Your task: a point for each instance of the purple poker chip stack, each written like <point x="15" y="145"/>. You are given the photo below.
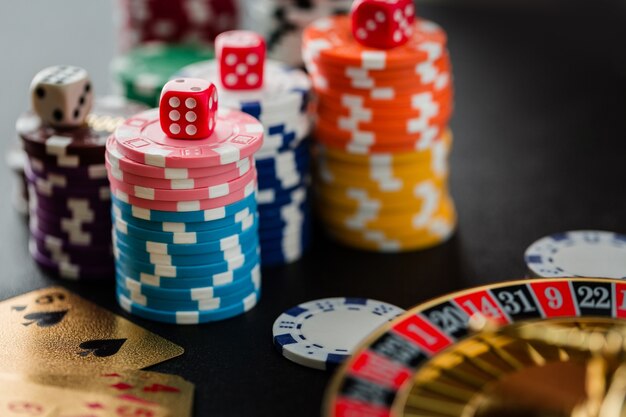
<point x="69" y="199"/>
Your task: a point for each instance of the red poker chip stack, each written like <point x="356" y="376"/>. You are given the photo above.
<point x="174" y="21"/>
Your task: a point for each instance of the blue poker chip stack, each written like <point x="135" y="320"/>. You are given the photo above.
<point x="163" y="277"/>
<point x="283" y="161"/>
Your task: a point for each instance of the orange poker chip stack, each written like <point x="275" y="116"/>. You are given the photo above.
<point x="382" y="136"/>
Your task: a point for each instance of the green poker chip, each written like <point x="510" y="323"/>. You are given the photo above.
<point x="142" y="73"/>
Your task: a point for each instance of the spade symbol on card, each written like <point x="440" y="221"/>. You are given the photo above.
<point x="45" y="319"/>
<point x="101" y="348"/>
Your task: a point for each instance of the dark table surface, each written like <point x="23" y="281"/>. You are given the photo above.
<point x="539" y="148"/>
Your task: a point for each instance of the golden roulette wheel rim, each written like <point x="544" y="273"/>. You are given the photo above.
<point x="379" y="378"/>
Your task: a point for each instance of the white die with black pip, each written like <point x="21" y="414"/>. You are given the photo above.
<point x="62" y="95"/>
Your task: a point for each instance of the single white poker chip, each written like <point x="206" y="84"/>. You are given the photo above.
<point x="581" y="253"/>
<point x="321" y="334"/>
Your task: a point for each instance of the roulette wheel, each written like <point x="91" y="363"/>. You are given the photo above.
<point x="537" y="347"/>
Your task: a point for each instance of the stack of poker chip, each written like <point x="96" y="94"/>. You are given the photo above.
<point x="281" y="22"/>
<point x="382" y="136"/>
<point x="283" y="161"/>
<point x="184" y="211"/>
<point x="141" y="73"/>
<point x="69" y="196"/>
<point x="173" y="21"/>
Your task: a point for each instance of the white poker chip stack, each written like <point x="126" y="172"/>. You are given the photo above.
<point x="281" y="104"/>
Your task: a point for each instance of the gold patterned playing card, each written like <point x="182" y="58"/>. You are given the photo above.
<point x="169" y="391"/>
<point x="23" y="398"/>
<point x="54" y="331"/>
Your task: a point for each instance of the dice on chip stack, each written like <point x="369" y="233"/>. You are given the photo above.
<point x="281" y="22"/>
<point x="278" y="97"/>
<point x="173" y="21"/>
<point x="384" y="99"/>
<point x="69" y="200"/>
<point x="140" y="74"/>
<point x="185" y="227"/>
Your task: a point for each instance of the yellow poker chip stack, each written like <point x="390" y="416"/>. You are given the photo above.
<point x="386" y="202"/>
<point x="382" y="135"/>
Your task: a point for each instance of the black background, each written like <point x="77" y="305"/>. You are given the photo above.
<point x="539" y="148"/>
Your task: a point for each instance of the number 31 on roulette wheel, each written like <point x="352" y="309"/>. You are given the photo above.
<point x="547" y="347"/>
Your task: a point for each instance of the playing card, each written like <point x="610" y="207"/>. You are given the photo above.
<point x="54" y="331"/>
<point x="170" y="391"/>
<point x="23" y="398"/>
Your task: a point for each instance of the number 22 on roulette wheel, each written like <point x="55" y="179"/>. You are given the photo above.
<point x="553" y="347"/>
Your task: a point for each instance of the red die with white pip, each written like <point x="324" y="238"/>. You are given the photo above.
<point x="382" y="24"/>
<point x="241" y="57"/>
<point x="187" y="108"/>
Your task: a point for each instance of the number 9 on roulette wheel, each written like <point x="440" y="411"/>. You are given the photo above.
<point x="552" y="347"/>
